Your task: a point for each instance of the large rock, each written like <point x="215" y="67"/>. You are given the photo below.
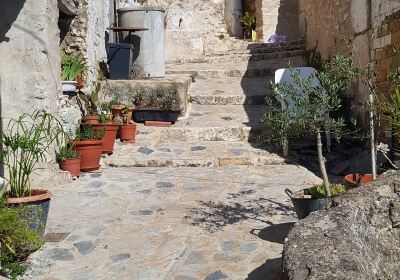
<point x="357" y="239"/>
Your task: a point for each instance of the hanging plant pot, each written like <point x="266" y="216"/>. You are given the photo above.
<point x="90" y="153"/>
<point x="143" y="115"/>
<point x="72" y="165"/>
<point x="109" y="136"/>
<point x="69" y="86"/>
<point x="127" y="132"/>
<point x="91" y="119"/>
<point x="352" y="179"/>
<point x="37" y="206"/>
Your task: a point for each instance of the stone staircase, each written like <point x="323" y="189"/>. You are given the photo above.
<point x="226" y="103"/>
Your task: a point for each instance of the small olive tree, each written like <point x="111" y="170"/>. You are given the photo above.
<point x="302" y="108"/>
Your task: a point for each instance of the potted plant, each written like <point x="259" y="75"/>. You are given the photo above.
<point x="90" y="105"/>
<point x="71" y="69"/>
<point x="69" y="160"/>
<point x="155" y="107"/>
<point x="127" y="128"/>
<point x="110" y="128"/>
<point x="89" y="145"/>
<point x="249" y="25"/>
<point x="302" y="114"/>
<point x="17" y="241"/>
<point x="24" y="143"/>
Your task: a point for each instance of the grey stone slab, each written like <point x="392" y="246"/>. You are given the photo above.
<point x="164" y="185"/>
<point x="198" y="148"/>
<point x="249" y="247"/>
<point x="228" y="245"/>
<point x="194" y="257"/>
<point x="61" y="254"/>
<point x="120" y="257"/>
<point x="97" y="230"/>
<point x="84" y="247"/>
<point x="145" y="150"/>
<point x="217" y="275"/>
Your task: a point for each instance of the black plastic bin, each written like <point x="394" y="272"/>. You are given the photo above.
<point x="120" y="61"/>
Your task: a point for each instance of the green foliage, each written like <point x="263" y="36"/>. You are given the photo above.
<point x="71" y="67"/>
<point x="86" y="132"/>
<point x="318" y="191"/>
<point x="249" y="21"/>
<point x="155" y="100"/>
<point x="91" y="100"/>
<point x="17" y="240"/>
<point x="167" y="102"/>
<point x="25" y="142"/>
<point x="67" y="152"/>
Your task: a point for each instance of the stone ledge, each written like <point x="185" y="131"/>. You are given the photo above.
<point x="358" y="239"/>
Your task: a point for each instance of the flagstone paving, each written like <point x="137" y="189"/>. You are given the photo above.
<point x="170" y="223"/>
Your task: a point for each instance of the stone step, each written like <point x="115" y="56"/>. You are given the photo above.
<point x="230" y="91"/>
<point x="262" y="50"/>
<point x="210" y="123"/>
<point x="239" y="57"/>
<point x="235" y="69"/>
<point x="189" y="154"/>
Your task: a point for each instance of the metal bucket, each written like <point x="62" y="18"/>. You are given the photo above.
<point x="304" y="206"/>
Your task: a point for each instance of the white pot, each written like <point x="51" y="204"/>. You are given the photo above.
<point x="68" y="86"/>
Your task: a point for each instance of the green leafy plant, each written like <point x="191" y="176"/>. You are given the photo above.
<point x="249" y="24"/>
<point x="16" y="239"/>
<point x="168" y="102"/>
<point x="90" y="100"/>
<point x="71" y="67"/>
<point x="302" y="114"/>
<point x="25" y="142"/>
<point x="319" y="191"/>
<point x="67" y="152"/>
<point x="86" y="132"/>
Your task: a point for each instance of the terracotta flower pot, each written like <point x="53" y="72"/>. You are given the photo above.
<point x="72" y="165"/>
<point x="38" y="205"/>
<point x="90" y="153"/>
<point x="80" y="79"/>
<point x="91" y="119"/>
<point x="352" y="179"/>
<point x="127" y="132"/>
<point x="109" y="136"/>
<point x="117" y="111"/>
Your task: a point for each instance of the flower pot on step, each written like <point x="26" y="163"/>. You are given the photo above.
<point x="304" y="206"/>
<point x="69" y="86"/>
<point x="143" y="115"/>
<point x="116" y="111"/>
<point x="352" y="180"/>
<point x="109" y="136"/>
<point x="91" y="119"/>
<point x="37" y="206"/>
<point x="72" y="165"/>
<point x="127" y="132"/>
<point x="90" y="153"/>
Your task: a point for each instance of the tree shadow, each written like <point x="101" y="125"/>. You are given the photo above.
<point x="9" y="11"/>
<point x="214" y="216"/>
<point x="270" y="270"/>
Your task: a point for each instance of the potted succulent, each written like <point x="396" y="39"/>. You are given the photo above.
<point x="71" y="69"/>
<point x="89" y="145"/>
<point x="302" y="114"/>
<point x="90" y="105"/>
<point x="69" y="160"/>
<point x="249" y="25"/>
<point x="25" y="142"/>
<point x="155" y="107"/>
<point x="110" y="129"/>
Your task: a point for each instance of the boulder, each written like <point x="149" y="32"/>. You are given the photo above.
<point x="358" y="238"/>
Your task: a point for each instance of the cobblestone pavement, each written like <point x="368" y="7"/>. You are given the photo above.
<point x="170" y="223"/>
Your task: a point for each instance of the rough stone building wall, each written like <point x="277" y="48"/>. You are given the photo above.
<point x="277" y="17"/>
<point x="30" y="59"/>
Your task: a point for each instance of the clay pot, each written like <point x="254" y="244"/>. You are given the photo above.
<point x="72" y="165"/>
<point x="127" y="132"/>
<point x="352" y="179"/>
<point x="38" y="205"/>
<point x="117" y="111"/>
<point x="109" y="136"/>
<point x="91" y="119"/>
<point x="90" y="153"/>
<point x="80" y="81"/>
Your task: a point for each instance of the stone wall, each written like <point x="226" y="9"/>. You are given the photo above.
<point x="358" y="239"/>
<point x="277" y="17"/>
<point x="30" y="60"/>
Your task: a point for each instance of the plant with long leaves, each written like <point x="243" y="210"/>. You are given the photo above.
<point x="25" y="142"/>
<point x="71" y="67"/>
<point x="304" y="106"/>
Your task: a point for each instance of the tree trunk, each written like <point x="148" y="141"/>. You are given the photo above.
<point x="322" y="167"/>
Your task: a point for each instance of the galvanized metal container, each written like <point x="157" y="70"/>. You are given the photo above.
<point x="148" y="54"/>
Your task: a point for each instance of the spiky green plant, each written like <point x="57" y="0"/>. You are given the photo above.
<point x="90" y="100"/>
<point x="24" y="143"/>
<point x="71" y="67"/>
